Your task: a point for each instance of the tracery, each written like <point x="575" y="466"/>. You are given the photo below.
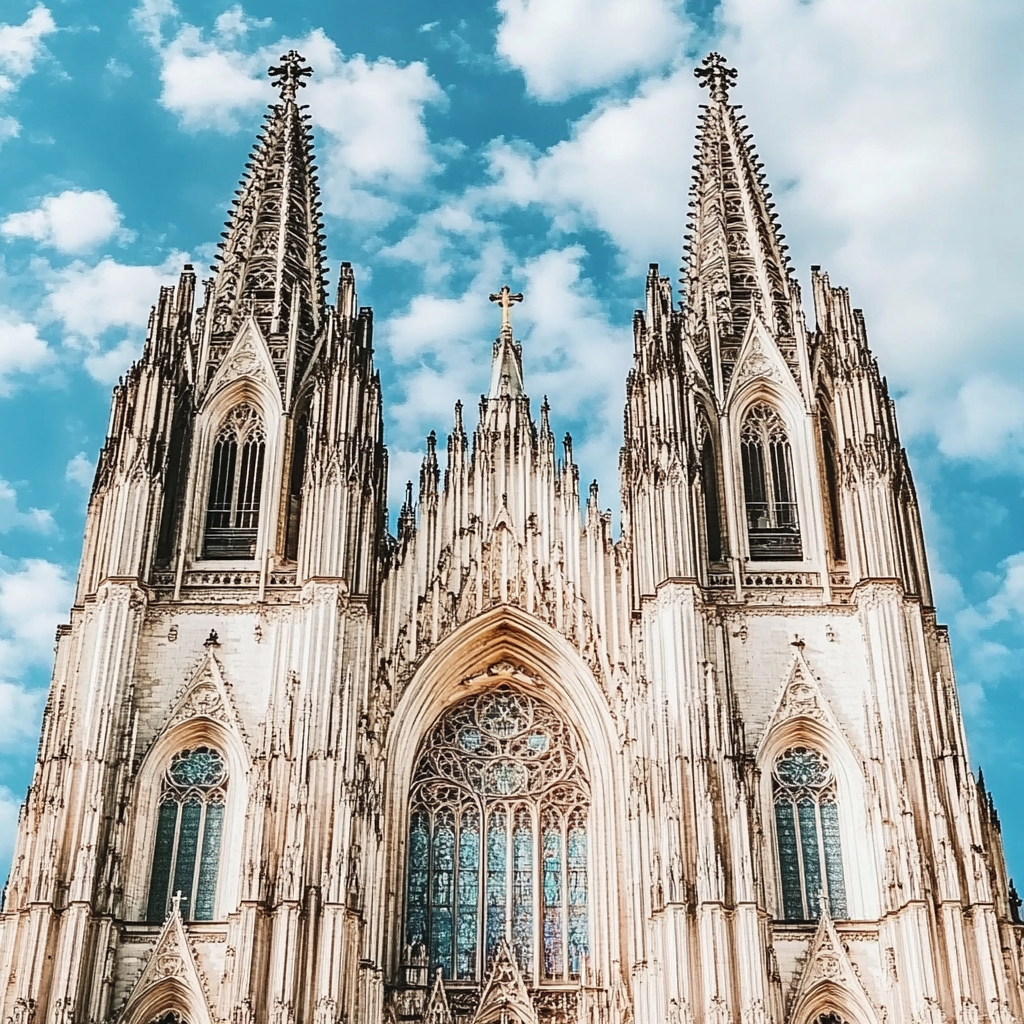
<point x="188" y="835"/>
<point x="498" y="841"/>
<point x="236" y="485"/>
<point x="773" y="525"/>
<point x="807" y="830"/>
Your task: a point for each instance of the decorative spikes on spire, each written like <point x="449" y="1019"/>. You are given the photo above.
<point x="271" y="263"/>
<point x="736" y="266"/>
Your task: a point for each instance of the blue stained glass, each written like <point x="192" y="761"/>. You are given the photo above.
<point x="552" y="880"/>
<point x="833" y="860"/>
<point x="576" y="854"/>
<point x="789" y="862"/>
<point x="419" y="853"/>
<point x="188" y="848"/>
<point x="206" y="887"/>
<point x="160" y="877"/>
<point x="808" y="817"/>
<point x="442" y="897"/>
<point x="496" y="866"/>
<point x="522" y="891"/>
<point x="469" y="888"/>
<point x="201" y="767"/>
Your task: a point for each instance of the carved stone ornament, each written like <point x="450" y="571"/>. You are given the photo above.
<point x="202" y="702"/>
<point x="505" y="999"/>
<point x="756" y="364"/>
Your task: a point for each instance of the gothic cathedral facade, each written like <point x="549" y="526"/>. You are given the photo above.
<point x="503" y="767"/>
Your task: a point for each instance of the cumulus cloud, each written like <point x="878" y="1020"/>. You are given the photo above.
<point x="38" y="520"/>
<point x="574" y="45"/>
<point x="370" y="114"/>
<point x="20" y="48"/>
<point x="80" y="470"/>
<point x="22" y="350"/>
<point x="74" y="221"/>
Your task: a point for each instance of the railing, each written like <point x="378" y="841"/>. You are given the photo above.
<point x="229" y="542"/>
<point x="773" y="531"/>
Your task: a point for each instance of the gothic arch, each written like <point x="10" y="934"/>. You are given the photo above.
<point x="215" y="411"/>
<point x="146" y="792"/>
<point x="506" y="644"/>
<point x="828" y="998"/>
<point x="171" y="996"/>
<point x="818" y="730"/>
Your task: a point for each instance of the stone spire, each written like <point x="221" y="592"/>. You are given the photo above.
<point x="735" y="264"/>
<point x="271" y="263"/>
<point x="507" y="357"/>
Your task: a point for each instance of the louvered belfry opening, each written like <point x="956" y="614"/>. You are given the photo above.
<point x="773" y="524"/>
<point x="236" y="485"/>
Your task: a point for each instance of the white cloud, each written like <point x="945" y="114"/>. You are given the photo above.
<point x="370" y="114"/>
<point x="38" y="520"/>
<point x="72" y="222"/>
<point x="573" y="45"/>
<point x="21" y="348"/>
<point x="620" y="170"/>
<point x="20" y="47"/>
<point x="10" y="807"/>
<point x="33" y="599"/>
<point x="92" y="299"/>
<point x="107" y="365"/>
<point x="80" y="470"/>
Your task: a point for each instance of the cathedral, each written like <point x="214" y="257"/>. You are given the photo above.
<point x="505" y="766"/>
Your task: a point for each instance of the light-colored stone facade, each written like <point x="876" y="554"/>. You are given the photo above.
<point x="724" y="628"/>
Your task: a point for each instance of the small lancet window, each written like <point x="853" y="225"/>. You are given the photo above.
<point x="498" y="842"/>
<point x="188" y="835"/>
<point x="807" y="830"/>
<point x="773" y="527"/>
<point x="236" y="485"/>
<point x="833" y="512"/>
<point x="712" y="514"/>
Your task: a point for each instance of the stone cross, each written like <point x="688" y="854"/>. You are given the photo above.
<point x="715" y="76"/>
<point x="176" y="904"/>
<point x="289" y="75"/>
<point x="506" y="298"/>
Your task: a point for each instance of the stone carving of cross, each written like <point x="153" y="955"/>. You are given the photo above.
<point x="176" y="903"/>
<point x="506" y="298"/>
<point x="289" y="74"/>
<point x="715" y="76"/>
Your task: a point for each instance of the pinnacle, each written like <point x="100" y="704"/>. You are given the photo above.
<point x="715" y="76"/>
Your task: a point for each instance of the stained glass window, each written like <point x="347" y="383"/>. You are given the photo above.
<point x="236" y="485"/>
<point x="773" y="527"/>
<point x="189" y="827"/>
<point x="807" y="831"/>
<point x="498" y="841"/>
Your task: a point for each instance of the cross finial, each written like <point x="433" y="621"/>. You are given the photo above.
<point x="506" y="298"/>
<point x="289" y="75"/>
<point x="176" y="904"/>
<point x="823" y="904"/>
<point x="716" y="76"/>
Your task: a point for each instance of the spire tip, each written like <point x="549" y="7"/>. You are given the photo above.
<point x="716" y="76"/>
<point x="288" y="75"/>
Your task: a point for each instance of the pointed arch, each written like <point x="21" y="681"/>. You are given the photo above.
<point x="802" y="720"/>
<point x="197" y="731"/>
<point x="831" y="498"/>
<point x="710" y="490"/>
<point x="504" y="645"/>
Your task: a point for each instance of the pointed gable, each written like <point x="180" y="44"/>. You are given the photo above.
<point x="829" y="982"/>
<point x="171" y="980"/>
<point x="438" y="1011"/>
<point x="247" y="359"/>
<point x="800" y="697"/>
<point x="206" y="695"/>
<point x="505" y="999"/>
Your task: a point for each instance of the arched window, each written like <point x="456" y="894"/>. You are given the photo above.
<point x="833" y="517"/>
<point x="712" y="516"/>
<point x="236" y="484"/>
<point x="773" y="527"/>
<point x="188" y="835"/>
<point x="807" y="829"/>
<point x="498" y="841"/>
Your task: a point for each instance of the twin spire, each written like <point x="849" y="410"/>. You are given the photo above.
<point x="735" y="265"/>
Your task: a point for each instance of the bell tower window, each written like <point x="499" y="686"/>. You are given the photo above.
<point x="236" y="485"/>
<point x="773" y="526"/>
<point x="190" y="823"/>
<point x="807" y="830"/>
<point x="498" y="842"/>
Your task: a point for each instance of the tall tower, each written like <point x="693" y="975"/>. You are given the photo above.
<point x="504" y="768"/>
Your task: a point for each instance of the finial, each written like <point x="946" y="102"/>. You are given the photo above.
<point x="715" y="76"/>
<point x="176" y="904"/>
<point x="289" y="75"/>
<point x="506" y="298"/>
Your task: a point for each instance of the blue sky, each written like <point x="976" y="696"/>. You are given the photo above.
<point x="546" y="143"/>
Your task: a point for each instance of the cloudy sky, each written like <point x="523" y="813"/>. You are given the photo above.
<point x="546" y="143"/>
